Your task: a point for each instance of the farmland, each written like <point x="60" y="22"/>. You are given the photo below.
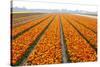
<point x="53" y="38"/>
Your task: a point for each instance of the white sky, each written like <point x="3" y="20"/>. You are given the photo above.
<point x="88" y="5"/>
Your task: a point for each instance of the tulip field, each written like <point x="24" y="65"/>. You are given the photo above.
<point x="38" y="39"/>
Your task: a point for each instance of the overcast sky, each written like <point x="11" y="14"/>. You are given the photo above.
<point x="88" y="5"/>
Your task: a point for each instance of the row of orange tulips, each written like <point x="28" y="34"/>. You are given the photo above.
<point x="88" y="34"/>
<point x="27" y="25"/>
<point x="78" y="49"/>
<point x="88" y="22"/>
<point x="48" y="49"/>
<point x="20" y="44"/>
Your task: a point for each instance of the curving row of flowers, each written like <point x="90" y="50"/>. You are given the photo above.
<point x="78" y="49"/>
<point x="21" y="44"/>
<point x="48" y="49"/>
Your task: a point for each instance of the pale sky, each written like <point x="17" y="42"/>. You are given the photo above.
<point x="88" y="5"/>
